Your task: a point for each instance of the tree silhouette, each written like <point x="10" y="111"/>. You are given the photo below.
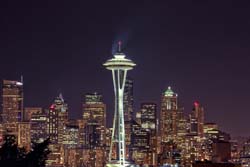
<point x="38" y="155"/>
<point x="13" y="156"/>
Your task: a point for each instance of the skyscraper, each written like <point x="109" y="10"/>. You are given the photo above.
<point x="148" y="114"/>
<point x="24" y="136"/>
<point x="38" y="123"/>
<point x="119" y="66"/>
<point x="94" y="109"/>
<point x="94" y="123"/>
<point x="57" y="119"/>
<point x="168" y="116"/>
<point x="12" y="96"/>
<point x="197" y="120"/>
<point x="197" y="149"/>
<point x="145" y="131"/>
<point x="29" y="111"/>
<point x="94" y="112"/>
<point x="63" y="116"/>
<point x="128" y="99"/>
<point x="140" y="144"/>
<point x="173" y="128"/>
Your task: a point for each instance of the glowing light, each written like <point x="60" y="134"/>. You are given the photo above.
<point x="196" y="103"/>
<point x="169" y="92"/>
<point x="19" y="83"/>
<point x="52" y="107"/>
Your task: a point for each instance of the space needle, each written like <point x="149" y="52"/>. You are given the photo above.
<point x="119" y="65"/>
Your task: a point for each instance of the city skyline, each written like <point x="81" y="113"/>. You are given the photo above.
<point x="201" y="56"/>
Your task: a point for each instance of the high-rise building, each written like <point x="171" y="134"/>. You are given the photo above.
<point x="168" y="116"/>
<point x="173" y="128"/>
<point x="246" y="149"/>
<point x="148" y="120"/>
<point x="28" y="111"/>
<point x="140" y="145"/>
<point x="211" y="134"/>
<point x="71" y="136"/>
<point x="197" y="120"/>
<point x="38" y="123"/>
<point x="128" y="102"/>
<point x="94" y="112"/>
<point x="210" y="127"/>
<point x="198" y="148"/>
<point x="119" y="66"/>
<point x="24" y="136"/>
<point x="55" y="158"/>
<point x="80" y="124"/>
<point x="128" y="99"/>
<point x="12" y="111"/>
<point x="94" y="108"/>
<point x="92" y="135"/>
<point x="52" y="124"/>
<point x="148" y="115"/>
<point x="94" y="124"/>
<point x="63" y="116"/>
<point x="57" y="118"/>
<point x="221" y="151"/>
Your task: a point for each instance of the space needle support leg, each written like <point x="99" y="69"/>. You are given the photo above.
<point x="123" y="144"/>
<point x="121" y="118"/>
<point x="114" y="119"/>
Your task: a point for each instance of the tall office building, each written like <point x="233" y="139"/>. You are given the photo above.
<point x="128" y="100"/>
<point x="94" y="112"/>
<point x="148" y="120"/>
<point x="12" y="111"/>
<point x="57" y="118"/>
<point x="38" y="123"/>
<point x="140" y="145"/>
<point x="148" y="114"/>
<point x="28" y="111"/>
<point x="197" y="147"/>
<point x="63" y="116"/>
<point x="246" y="149"/>
<point x="94" y="123"/>
<point x="24" y="136"/>
<point x="94" y="108"/>
<point x="168" y="116"/>
<point x="71" y="136"/>
<point x="197" y="120"/>
<point x="173" y="128"/>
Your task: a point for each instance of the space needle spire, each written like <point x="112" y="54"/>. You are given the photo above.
<point x="119" y="65"/>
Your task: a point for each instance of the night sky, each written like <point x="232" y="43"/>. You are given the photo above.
<point x="200" y="49"/>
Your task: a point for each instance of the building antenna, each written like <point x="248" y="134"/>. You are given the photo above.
<point x="22" y="79"/>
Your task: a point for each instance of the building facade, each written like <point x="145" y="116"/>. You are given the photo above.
<point x="12" y="111"/>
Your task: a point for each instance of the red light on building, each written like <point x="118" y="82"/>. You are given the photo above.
<point x="52" y="107"/>
<point x="196" y="103"/>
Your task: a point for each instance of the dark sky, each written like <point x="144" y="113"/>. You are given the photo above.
<point x="201" y="49"/>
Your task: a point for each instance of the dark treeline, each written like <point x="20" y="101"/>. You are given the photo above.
<point x="13" y="156"/>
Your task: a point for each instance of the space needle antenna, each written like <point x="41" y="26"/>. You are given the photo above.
<point x="119" y="46"/>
